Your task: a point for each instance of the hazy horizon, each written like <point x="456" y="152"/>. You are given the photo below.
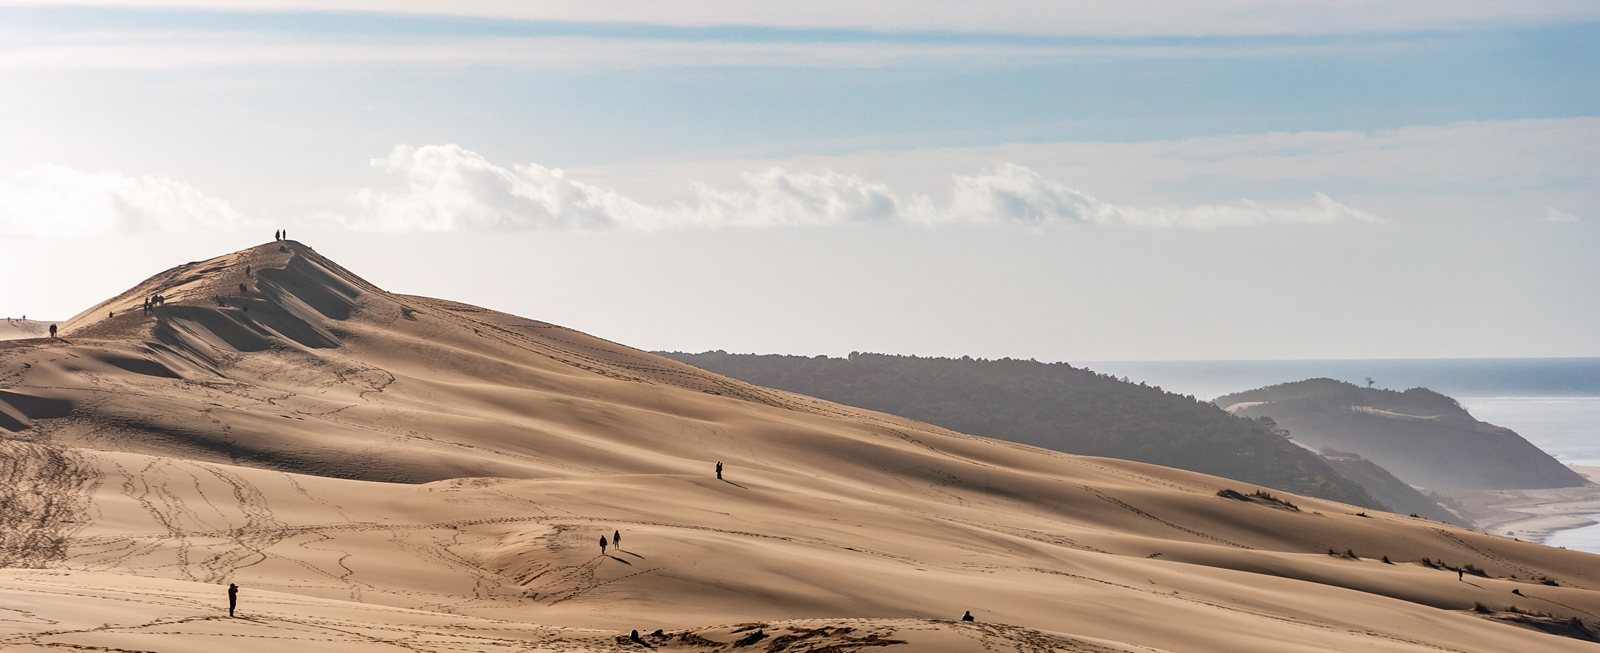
<point x="1259" y="180"/>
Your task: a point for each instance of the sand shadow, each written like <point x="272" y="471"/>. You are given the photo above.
<point x="734" y="484"/>
<point x="632" y="554"/>
<point x="619" y="560"/>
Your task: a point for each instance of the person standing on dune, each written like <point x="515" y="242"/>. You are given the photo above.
<point x="602" y="545"/>
<point x="616" y="540"/>
<point x="719" y="470"/>
<point x="53" y="334"/>
<point x="233" y="598"/>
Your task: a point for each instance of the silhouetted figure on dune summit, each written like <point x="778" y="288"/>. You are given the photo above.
<point x="53" y="332"/>
<point x="967" y="616"/>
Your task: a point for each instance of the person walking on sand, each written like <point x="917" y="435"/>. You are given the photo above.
<point x="719" y="470"/>
<point x="233" y="598"/>
<point x="52" y="331"/>
<point x="616" y="540"/>
<point x="602" y="545"/>
<point x="1461" y="576"/>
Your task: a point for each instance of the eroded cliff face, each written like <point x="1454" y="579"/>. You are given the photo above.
<point x="1422" y="437"/>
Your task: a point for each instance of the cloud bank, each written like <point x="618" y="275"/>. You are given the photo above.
<point x="448" y="188"/>
<point x="51" y="200"/>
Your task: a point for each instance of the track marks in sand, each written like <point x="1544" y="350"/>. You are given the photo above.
<point x="265" y="623"/>
<point x="1484" y="554"/>
<point x="1125" y="506"/>
<point x="1026" y="640"/>
<point x="44" y="499"/>
<point x="1229" y="607"/>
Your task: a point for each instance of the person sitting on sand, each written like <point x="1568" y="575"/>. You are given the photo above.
<point x="233" y="598"/>
<point x="967" y="616"/>
<point x="602" y="545"/>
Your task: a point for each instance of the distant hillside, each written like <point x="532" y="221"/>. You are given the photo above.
<point x="17" y="329"/>
<point x="1393" y="492"/>
<point x="1052" y="406"/>
<point x="1421" y="436"/>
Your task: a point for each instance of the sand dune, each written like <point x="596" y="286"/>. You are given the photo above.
<point x="385" y="471"/>
<point x="17" y="329"/>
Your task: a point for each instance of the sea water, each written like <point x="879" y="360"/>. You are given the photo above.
<point x="1553" y="403"/>
<point x="1578" y="539"/>
<point x="1565" y="427"/>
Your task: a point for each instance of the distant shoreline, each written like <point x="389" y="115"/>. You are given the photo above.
<point x="1534" y="515"/>
<point x="1456" y="377"/>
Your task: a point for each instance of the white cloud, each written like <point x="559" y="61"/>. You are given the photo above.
<point x="52" y="200"/>
<point x="1489" y="168"/>
<point x="1012" y="193"/>
<point x="450" y="188"/>
<point x="447" y="187"/>
<point x="1125" y="18"/>
<point x="1552" y="214"/>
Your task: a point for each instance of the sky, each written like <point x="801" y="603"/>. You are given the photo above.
<point x="1079" y="181"/>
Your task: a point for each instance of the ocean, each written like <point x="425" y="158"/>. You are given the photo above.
<point x="1554" y="403"/>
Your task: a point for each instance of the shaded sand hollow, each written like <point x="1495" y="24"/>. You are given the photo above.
<point x="388" y="472"/>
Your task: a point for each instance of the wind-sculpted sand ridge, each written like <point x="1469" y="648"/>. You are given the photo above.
<point x="392" y="472"/>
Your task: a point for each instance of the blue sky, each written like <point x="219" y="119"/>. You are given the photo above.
<point x="1448" y="153"/>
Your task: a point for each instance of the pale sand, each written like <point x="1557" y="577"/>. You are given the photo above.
<point x="1531" y="514"/>
<point x="531" y="441"/>
<point x="17" y="329"/>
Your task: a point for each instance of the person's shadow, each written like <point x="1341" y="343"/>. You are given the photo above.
<point x="619" y="560"/>
<point x="734" y="484"/>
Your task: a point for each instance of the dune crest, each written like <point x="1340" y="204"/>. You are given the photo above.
<point x="375" y="468"/>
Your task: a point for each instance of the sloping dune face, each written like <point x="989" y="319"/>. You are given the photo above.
<point x="386" y="471"/>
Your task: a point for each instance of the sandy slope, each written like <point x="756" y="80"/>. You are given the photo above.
<point x="397" y="464"/>
<point x="17" y="329"/>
